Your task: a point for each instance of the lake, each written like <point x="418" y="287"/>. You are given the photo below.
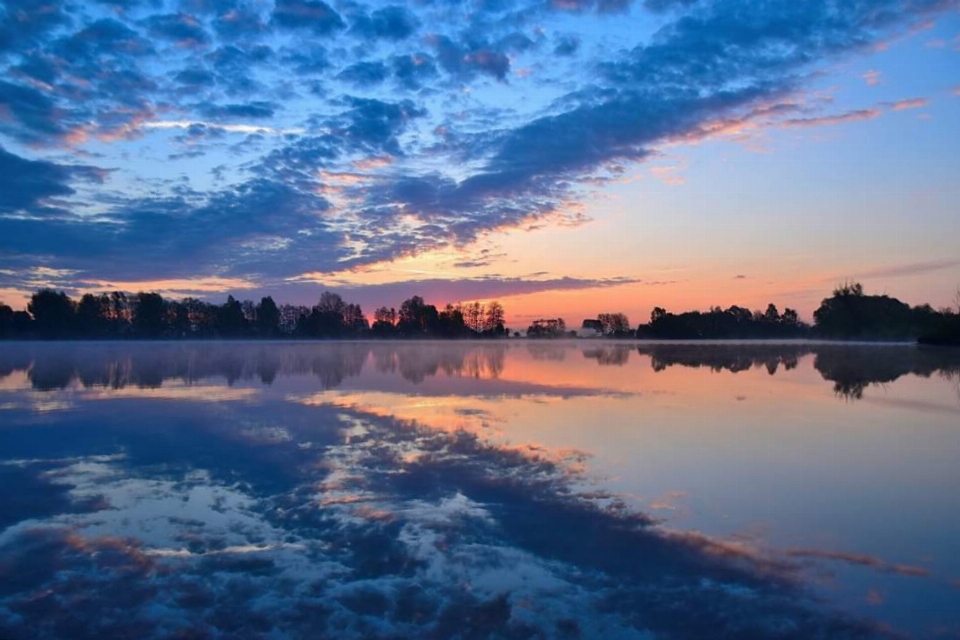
<point x="513" y="489"/>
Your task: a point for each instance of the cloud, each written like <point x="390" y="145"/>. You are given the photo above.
<point x="465" y="60"/>
<point x="841" y="118"/>
<point x="32" y="116"/>
<point x="313" y="15"/>
<point x="468" y="159"/>
<point x="567" y="45"/>
<point x="906" y="270"/>
<point x="38" y="181"/>
<point x="600" y="6"/>
<point x="103" y="38"/>
<point x="442" y="290"/>
<point x="181" y="29"/>
<point x="196" y="126"/>
<point x="389" y="23"/>
<point x="911" y="103"/>
<point x="412" y="71"/>
<point x="363" y="74"/>
<point x="872" y="77"/>
<point x="255" y="110"/>
<point x="661" y="6"/>
<point x="24" y="22"/>
<point x="860" y="560"/>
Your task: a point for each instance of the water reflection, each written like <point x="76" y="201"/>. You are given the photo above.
<point x="852" y="368"/>
<point x="196" y="490"/>
<point x="149" y="365"/>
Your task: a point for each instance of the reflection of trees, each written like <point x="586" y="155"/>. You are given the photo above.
<point x="725" y="357"/>
<point x="616" y="355"/>
<point x="118" y="365"/>
<point x="852" y="369"/>
<point x="544" y="351"/>
<point x="417" y="362"/>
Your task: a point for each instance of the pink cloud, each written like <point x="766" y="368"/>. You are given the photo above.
<point x="849" y="116"/>
<point x="910" y="103"/>
<point x="872" y="77"/>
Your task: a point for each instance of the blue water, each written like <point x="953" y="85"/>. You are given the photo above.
<point x="478" y="490"/>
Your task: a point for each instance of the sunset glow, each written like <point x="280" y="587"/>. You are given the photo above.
<point x="521" y="151"/>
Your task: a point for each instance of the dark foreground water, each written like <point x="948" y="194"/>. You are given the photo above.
<point x="465" y="490"/>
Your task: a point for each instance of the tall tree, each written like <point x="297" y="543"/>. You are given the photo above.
<point x="54" y="313"/>
<point x="92" y="314"/>
<point x="614" y="324"/>
<point x="6" y="320"/>
<point x="473" y="315"/>
<point x="268" y="317"/>
<point x="494" y="318"/>
<point x="230" y="319"/>
<point x="149" y="315"/>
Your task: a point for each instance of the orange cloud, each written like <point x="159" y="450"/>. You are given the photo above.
<point x="173" y="287"/>
<point x="859" y="559"/>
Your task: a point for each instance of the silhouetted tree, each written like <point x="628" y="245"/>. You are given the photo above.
<point x="231" y="322"/>
<point x="54" y="314"/>
<point x="384" y="322"/>
<point x="451" y="324"/>
<point x="849" y="313"/>
<point x="735" y="322"/>
<point x="771" y="315"/>
<point x="178" y="319"/>
<point x="547" y="328"/>
<point x="292" y="318"/>
<point x="93" y="315"/>
<point x="614" y="325"/>
<point x="268" y="317"/>
<point x="149" y="314"/>
<point x="473" y="316"/>
<point x="6" y="320"/>
<point x="493" y="324"/>
<point x="416" y="318"/>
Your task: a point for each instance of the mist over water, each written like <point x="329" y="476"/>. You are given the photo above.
<point x="479" y="490"/>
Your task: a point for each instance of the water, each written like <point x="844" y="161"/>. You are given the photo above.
<point x="502" y="490"/>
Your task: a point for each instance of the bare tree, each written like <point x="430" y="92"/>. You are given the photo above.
<point x="614" y="323"/>
<point x="473" y="315"/>
<point x="494" y="317"/>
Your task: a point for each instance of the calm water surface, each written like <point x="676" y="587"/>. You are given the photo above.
<point x="474" y="490"/>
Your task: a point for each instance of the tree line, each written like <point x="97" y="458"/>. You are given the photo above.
<point x="848" y="314"/>
<point x="53" y="314"/>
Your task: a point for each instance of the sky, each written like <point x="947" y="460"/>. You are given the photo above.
<point x="566" y="157"/>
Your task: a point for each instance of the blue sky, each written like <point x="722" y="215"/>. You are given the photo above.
<point x="565" y="156"/>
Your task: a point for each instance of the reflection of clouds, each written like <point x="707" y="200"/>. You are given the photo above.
<point x="446" y="413"/>
<point x="180" y="392"/>
<point x="358" y="514"/>
<point x="367" y="540"/>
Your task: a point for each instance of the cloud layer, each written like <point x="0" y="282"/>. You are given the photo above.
<point x="240" y="140"/>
